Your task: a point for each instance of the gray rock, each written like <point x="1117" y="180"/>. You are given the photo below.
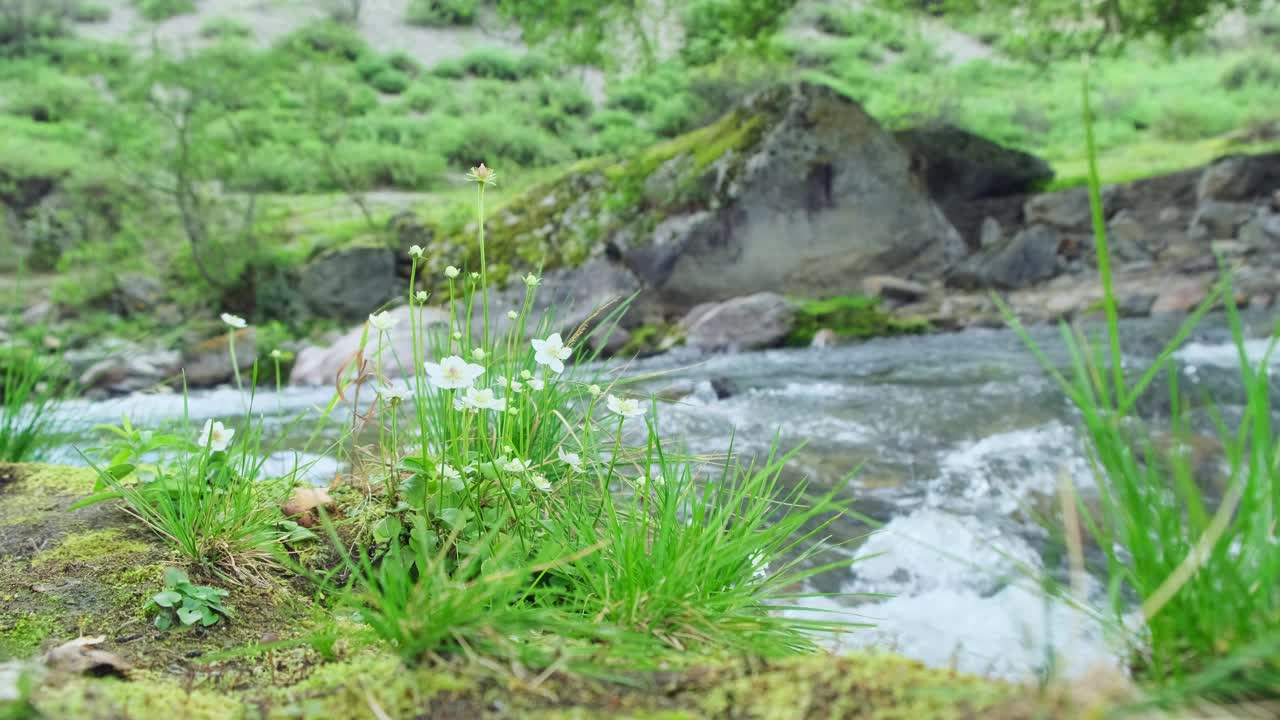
<point x="822" y="199"/>
<point x="1238" y="178"/>
<point x="1128" y="238"/>
<point x="39" y="313"/>
<point x="320" y="365"/>
<point x="568" y="299"/>
<point x="1069" y="209"/>
<point x="1271" y="226"/>
<point x="1220" y="220"/>
<point x="1135" y="304"/>
<point x="724" y="387"/>
<point x="409" y="230"/>
<point x="1027" y="258"/>
<point x="137" y="294"/>
<point x="207" y="363"/>
<point x="349" y="284"/>
<point x="611" y="342"/>
<point x="958" y="165"/>
<point x="752" y="322"/>
<point x="1170" y="215"/>
<point x="125" y="372"/>
<point x="893" y="288"/>
<point x="991" y="233"/>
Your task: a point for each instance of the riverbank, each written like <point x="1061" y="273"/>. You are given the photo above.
<point x="68" y="574"/>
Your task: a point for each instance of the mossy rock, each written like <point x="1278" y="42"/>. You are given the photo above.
<point x="850" y="317"/>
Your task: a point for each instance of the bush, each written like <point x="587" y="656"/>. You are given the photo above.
<point x="404" y="62"/>
<point x="491" y="63"/>
<point x="449" y="69"/>
<point x="390" y="81"/>
<point x="224" y="28"/>
<point x="1253" y="70"/>
<point x="156" y="10"/>
<point x="326" y="38"/>
<point x="88" y="12"/>
<point x="441" y="13"/>
<point x="424" y="95"/>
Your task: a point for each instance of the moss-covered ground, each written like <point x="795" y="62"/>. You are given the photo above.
<point x="69" y="573"/>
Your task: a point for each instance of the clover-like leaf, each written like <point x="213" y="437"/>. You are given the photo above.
<point x="190" y="615"/>
<point x="167" y="599"/>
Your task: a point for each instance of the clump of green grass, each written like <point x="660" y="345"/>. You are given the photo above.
<point x="441" y="13"/>
<point x="509" y="515"/>
<point x="851" y="317"/>
<point x="29" y="397"/>
<point x="156" y="10"/>
<point x="1201" y="565"/>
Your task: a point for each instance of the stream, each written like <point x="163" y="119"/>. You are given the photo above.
<point x="959" y="440"/>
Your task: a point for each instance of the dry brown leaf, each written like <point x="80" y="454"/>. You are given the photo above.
<point x="80" y="657"/>
<point x="305" y="500"/>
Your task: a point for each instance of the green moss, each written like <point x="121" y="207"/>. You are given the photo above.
<point x="91" y="547"/>
<point x="852" y="317"/>
<point x="21" y="637"/>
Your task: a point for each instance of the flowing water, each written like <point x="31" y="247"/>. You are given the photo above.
<point x="960" y="442"/>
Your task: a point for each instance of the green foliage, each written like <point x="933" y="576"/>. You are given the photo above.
<point x="325" y="39"/>
<point x="849" y="316"/>
<point x="90" y="12"/>
<point x="492" y="63"/>
<point x="389" y="80"/>
<point x="205" y="497"/>
<point x="441" y="13"/>
<point x="30" y="393"/>
<point x="156" y="10"/>
<point x="225" y="28"/>
<point x="713" y="28"/>
<point x="1199" y="562"/>
<point x="184" y="604"/>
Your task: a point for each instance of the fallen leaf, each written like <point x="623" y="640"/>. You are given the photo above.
<point x="80" y="657"/>
<point x="304" y="500"/>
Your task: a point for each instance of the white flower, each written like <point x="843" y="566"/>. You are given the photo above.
<point x="475" y="275"/>
<point x="594" y="390"/>
<point x="512" y="314"/>
<point x="276" y="354"/>
<point x="215" y="436"/>
<point x="394" y="393"/>
<point x="452" y="373"/>
<point x="452" y="477"/>
<point x="551" y="352"/>
<point x="526" y="375"/>
<point x="234" y="321"/>
<point x="477" y="354"/>
<point x="415" y="251"/>
<point x="573" y="460"/>
<point x="626" y="407"/>
<point x="383" y="321"/>
<point x="515" y="386"/>
<point x="484" y="399"/>
<point x="451" y="272"/>
<point x="537" y="384"/>
<point x="516" y="465"/>
<point x="422" y="295"/>
<point x="531" y="280"/>
<point x="540" y="481"/>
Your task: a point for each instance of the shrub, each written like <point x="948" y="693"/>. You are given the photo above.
<point x="157" y="10"/>
<point x="424" y="95"/>
<point x="89" y="12"/>
<point x="326" y="38"/>
<point x="390" y="81"/>
<point x="441" y="13"/>
<point x="450" y="69"/>
<point x="491" y="63"/>
<point x="224" y="28"/>
<point x="404" y="62"/>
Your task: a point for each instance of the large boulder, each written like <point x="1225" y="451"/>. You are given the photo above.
<point x="1238" y="178"/>
<point x="350" y="283"/>
<point x="957" y="165"/>
<point x="752" y="322"/>
<point x="811" y="197"/>
<point x="796" y="190"/>
<point x="206" y="363"/>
